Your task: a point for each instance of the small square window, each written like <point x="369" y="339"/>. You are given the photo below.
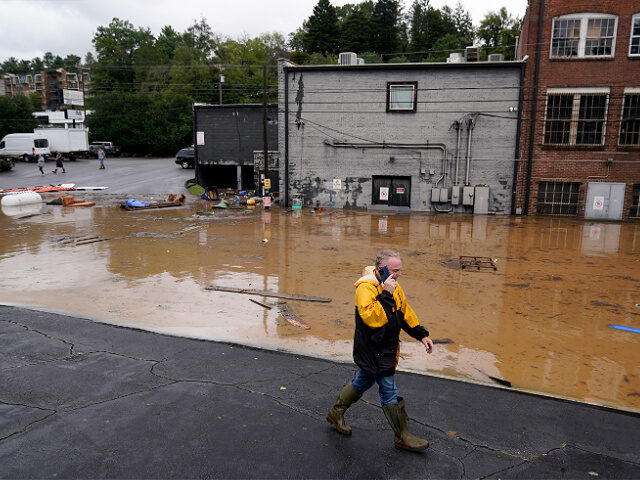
<point x="402" y="96"/>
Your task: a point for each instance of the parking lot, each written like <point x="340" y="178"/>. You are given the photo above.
<point x="124" y="175"/>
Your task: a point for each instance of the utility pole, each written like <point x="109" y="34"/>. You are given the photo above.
<point x="265" y="143"/>
<point x="220" y="88"/>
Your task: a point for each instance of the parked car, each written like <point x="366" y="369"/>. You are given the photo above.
<point x="186" y="157"/>
<point x="109" y="149"/>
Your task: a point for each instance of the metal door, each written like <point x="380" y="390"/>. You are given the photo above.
<point x="605" y="200"/>
<point x="392" y="191"/>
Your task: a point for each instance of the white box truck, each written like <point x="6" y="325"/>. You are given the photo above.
<point x="70" y="142"/>
<point x="26" y="146"/>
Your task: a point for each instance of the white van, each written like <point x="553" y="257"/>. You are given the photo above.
<point x="27" y="146"/>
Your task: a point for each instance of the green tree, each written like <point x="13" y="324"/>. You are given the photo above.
<point x="443" y="47"/>
<point x="322" y="31"/>
<point x="71" y="63"/>
<point x="356" y="32"/>
<point x="168" y="41"/>
<point x="464" y="30"/>
<point x="386" y="26"/>
<point x="200" y="37"/>
<point x="191" y="75"/>
<point x="142" y="123"/>
<point x="498" y="32"/>
<point x="16" y="115"/>
<point x="10" y="65"/>
<point x="428" y="25"/>
<point x="36" y="101"/>
<point x="37" y="65"/>
<point x="116" y="46"/>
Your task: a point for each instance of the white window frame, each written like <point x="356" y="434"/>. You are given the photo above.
<point x="627" y="91"/>
<point x="402" y="85"/>
<point x="634" y="19"/>
<point x="575" y="112"/>
<point x="582" y="40"/>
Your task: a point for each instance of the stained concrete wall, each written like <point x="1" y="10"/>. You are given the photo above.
<point x="348" y="104"/>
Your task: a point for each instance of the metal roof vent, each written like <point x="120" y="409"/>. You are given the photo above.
<point x="360" y="61"/>
<point x="347" y="58"/>
<point x="496" y="57"/>
<point x="472" y="54"/>
<point x="455" y="57"/>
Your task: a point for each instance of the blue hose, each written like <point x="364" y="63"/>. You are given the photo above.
<point x="626" y="329"/>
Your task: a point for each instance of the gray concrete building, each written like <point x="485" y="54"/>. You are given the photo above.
<point x="412" y="136"/>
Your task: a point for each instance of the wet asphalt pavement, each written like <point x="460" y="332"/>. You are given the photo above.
<point x="81" y="399"/>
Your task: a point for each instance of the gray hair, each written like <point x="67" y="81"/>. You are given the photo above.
<point x="384" y="256"/>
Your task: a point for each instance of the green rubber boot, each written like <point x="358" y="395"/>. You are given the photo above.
<point x="403" y="439"/>
<point x="347" y="396"/>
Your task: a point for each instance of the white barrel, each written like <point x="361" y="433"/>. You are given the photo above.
<point x="14" y="210"/>
<point x="20" y="198"/>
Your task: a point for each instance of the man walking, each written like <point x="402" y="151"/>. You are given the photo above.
<point x="59" y="164"/>
<point x="381" y="311"/>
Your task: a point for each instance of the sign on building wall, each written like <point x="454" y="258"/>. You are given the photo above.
<point x="598" y="203"/>
<point x="200" y="138"/>
<point x="384" y="193"/>
<point x="72" y="97"/>
<point x="337" y="184"/>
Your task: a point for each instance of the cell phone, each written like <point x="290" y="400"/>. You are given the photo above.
<point x="383" y="273"/>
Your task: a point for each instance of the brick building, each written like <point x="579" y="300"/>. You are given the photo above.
<point x="580" y="137"/>
<point x="406" y="136"/>
<point x="48" y="83"/>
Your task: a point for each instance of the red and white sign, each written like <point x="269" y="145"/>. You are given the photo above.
<point x="400" y="190"/>
<point x="384" y="193"/>
<point x="598" y="203"/>
<point x="200" y="138"/>
<point x="266" y="201"/>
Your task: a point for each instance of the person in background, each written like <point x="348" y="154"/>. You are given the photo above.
<point x="381" y="311"/>
<point x="59" y="163"/>
<point x="101" y="157"/>
<point x="41" y="163"/>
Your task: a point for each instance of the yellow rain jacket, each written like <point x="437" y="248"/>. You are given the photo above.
<point x="379" y="318"/>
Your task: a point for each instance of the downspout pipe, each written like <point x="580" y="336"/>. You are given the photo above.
<point x="457" y="124"/>
<point x="286" y="135"/>
<point x="516" y="164"/>
<point x="534" y="109"/>
<point x="471" y="123"/>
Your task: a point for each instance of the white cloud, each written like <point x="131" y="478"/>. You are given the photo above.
<point x="29" y="28"/>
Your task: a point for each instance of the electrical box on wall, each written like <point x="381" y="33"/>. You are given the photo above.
<point x="481" y="201"/>
<point x="455" y="195"/>
<point x="435" y="195"/>
<point x="444" y="195"/>
<point x="467" y="195"/>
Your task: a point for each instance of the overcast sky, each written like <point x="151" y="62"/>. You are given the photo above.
<point x="29" y="28"/>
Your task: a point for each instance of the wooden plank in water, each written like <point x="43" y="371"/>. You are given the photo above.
<point x="268" y="293"/>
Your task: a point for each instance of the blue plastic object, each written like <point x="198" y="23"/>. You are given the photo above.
<point x="626" y="329"/>
<point x="132" y="202"/>
<point x="206" y="196"/>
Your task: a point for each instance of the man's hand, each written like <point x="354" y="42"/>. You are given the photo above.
<point x="389" y="285"/>
<point x="428" y="344"/>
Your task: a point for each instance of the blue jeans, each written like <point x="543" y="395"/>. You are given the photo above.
<point x="386" y="386"/>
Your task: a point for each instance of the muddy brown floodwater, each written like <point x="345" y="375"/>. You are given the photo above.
<point x="540" y="321"/>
